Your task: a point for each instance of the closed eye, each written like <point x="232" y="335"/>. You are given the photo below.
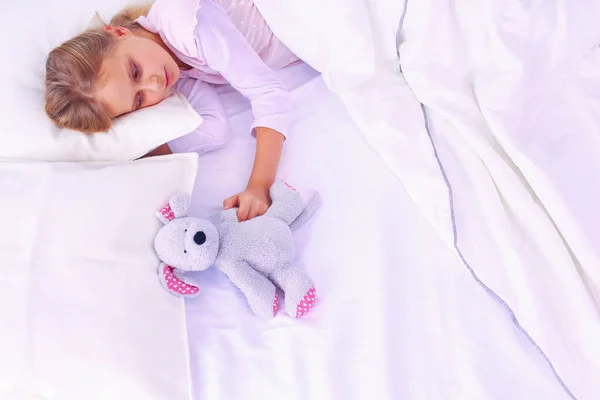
<point x="136" y="73"/>
<point x="138" y="100"/>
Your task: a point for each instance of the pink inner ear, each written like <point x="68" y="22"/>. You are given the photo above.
<point x="177" y="285"/>
<point x="167" y="212"/>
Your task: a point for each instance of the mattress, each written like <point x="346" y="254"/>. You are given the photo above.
<point x="398" y="315"/>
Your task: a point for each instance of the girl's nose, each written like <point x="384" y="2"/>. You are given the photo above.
<point x="154" y="83"/>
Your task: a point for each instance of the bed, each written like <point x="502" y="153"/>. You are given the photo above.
<point x="456" y="250"/>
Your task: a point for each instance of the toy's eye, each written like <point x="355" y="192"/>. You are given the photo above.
<point x="185" y="251"/>
<point x="185" y="230"/>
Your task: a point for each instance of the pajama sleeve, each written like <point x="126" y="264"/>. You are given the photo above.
<point x="226" y="51"/>
<point x="214" y="131"/>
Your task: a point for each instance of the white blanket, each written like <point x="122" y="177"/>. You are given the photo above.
<point x="498" y="92"/>
<point x="398" y="316"/>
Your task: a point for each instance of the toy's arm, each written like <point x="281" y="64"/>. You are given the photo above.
<point x="287" y="204"/>
<point x="308" y="211"/>
<point x="259" y="291"/>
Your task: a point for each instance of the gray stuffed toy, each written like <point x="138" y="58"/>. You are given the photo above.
<point x="256" y="254"/>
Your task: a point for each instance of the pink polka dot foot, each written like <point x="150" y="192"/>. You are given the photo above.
<point x="275" y="305"/>
<point x="307" y="302"/>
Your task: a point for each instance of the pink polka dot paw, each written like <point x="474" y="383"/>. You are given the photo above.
<point x="176" y="285"/>
<point x="307" y="303"/>
<point x="275" y="305"/>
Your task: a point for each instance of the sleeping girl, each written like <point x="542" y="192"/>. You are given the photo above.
<point x="190" y="46"/>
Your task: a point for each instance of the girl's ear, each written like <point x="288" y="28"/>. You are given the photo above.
<point x="118" y="31"/>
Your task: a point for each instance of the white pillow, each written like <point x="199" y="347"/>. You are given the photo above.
<point x="83" y="313"/>
<point x="33" y="28"/>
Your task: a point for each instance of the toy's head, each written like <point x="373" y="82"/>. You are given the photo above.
<point x="183" y="244"/>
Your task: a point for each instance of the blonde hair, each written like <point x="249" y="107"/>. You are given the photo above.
<point x="72" y="73"/>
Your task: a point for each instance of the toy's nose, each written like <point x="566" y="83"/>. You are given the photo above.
<point x="199" y="238"/>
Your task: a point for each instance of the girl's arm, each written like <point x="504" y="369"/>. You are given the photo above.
<point x="214" y="130"/>
<point x="225" y="50"/>
<point x="255" y="200"/>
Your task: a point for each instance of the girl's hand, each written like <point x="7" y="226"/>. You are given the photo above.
<point x="256" y="200"/>
<point x="252" y="202"/>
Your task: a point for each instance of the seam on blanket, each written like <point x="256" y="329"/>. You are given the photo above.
<point x="472" y="272"/>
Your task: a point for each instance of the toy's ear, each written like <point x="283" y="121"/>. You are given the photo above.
<point x="176" y="283"/>
<point x="178" y="207"/>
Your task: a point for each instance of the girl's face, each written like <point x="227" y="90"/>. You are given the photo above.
<point x="137" y="74"/>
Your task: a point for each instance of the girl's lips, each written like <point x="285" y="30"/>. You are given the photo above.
<point x="167" y="79"/>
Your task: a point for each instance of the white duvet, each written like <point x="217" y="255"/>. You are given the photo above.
<point x="509" y="99"/>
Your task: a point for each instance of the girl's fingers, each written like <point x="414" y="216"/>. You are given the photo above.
<point x="262" y="208"/>
<point x="257" y="209"/>
<point x="231" y="202"/>
<point x="243" y="212"/>
<point x="248" y="207"/>
<point x="253" y="211"/>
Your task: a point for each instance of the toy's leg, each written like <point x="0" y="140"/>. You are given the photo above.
<point x="298" y="288"/>
<point x="259" y="291"/>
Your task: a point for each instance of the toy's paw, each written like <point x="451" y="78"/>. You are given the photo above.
<point x="275" y="305"/>
<point x="307" y="302"/>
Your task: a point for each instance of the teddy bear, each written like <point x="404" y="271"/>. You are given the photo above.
<point x="256" y="254"/>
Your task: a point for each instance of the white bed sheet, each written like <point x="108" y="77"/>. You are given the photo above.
<point x="398" y="315"/>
